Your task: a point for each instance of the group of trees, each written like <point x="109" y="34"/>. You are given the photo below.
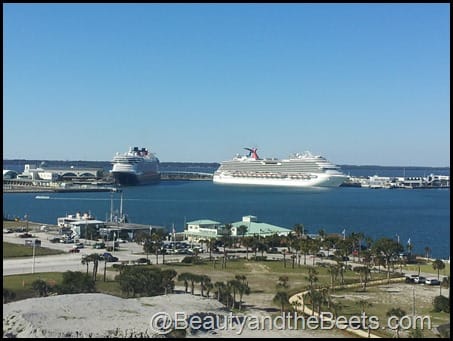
<point x="143" y="280"/>
<point x="225" y="292"/>
<point x="73" y="282"/>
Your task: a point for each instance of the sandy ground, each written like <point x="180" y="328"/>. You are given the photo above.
<point x="100" y="315"/>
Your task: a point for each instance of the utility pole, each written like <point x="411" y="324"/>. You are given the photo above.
<point x="33" y="266"/>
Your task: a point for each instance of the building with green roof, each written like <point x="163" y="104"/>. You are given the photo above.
<point x="209" y="229"/>
<point x="202" y="229"/>
<point x="257" y="228"/>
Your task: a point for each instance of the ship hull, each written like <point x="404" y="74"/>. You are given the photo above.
<point x="315" y="180"/>
<point x="133" y="179"/>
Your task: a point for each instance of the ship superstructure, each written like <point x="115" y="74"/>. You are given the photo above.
<point x="136" y="167"/>
<point x="299" y="170"/>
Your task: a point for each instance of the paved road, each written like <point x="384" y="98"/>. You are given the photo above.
<point x="126" y="252"/>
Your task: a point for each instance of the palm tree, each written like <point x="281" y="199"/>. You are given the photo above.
<point x="167" y="280"/>
<point x="86" y="260"/>
<point x="438" y="265"/>
<point x="220" y="286"/>
<point x="299" y="230"/>
<point x="398" y="313"/>
<point x="185" y="276"/>
<point x="241" y="231"/>
<point x="234" y="284"/>
<point x="333" y="271"/>
<point x="314" y="248"/>
<point x="243" y="289"/>
<point x="322" y="234"/>
<point x="312" y="276"/>
<point x="156" y="237"/>
<point x="248" y="242"/>
<point x="204" y="280"/>
<point x="427" y="251"/>
<point x="281" y="298"/>
<point x="305" y="248"/>
<point x="390" y="249"/>
<point x="210" y="244"/>
<point x="364" y="304"/>
<point x="283" y="282"/>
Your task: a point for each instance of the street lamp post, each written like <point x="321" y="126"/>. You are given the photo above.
<point x="33" y="264"/>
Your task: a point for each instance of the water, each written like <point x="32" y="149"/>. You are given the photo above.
<point x="422" y="215"/>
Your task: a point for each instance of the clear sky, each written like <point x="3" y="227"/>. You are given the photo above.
<point x="361" y="84"/>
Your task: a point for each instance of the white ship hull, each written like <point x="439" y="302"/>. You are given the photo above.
<point x="317" y="180"/>
<point x="300" y="170"/>
<point x="136" y="167"/>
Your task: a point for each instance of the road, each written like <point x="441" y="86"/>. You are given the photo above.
<point x="127" y="252"/>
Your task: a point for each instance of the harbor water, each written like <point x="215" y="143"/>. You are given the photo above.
<point x="421" y="215"/>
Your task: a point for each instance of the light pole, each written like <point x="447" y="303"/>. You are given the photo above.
<point x="26" y="221"/>
<point x="33" y="265"/>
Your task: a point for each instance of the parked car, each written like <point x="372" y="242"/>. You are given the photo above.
<point x="109" y="257"/>
<point x="33" y="242"/>
<point x="25" y="235"/>
<point x="410" y="278"/>
<point x="432" y="281"/>
<point x="419" y="279"/>
<point x="142" y="261"/>
<point x="99" y="245"/>
<point x="74" y="250"/>
<point x="55" y="240"/>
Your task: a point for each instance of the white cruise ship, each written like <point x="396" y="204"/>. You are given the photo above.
<point x="136" y="167"/>
<point x="299" y="170"/>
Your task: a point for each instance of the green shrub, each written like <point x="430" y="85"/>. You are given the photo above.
<point x="441" y="303"/>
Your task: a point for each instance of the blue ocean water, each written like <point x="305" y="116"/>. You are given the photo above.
<point x="421" y="215"/>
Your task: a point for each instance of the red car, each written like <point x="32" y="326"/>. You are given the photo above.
<point x="74" y="250"/>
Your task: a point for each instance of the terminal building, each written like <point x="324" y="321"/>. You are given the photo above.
<point x="204" y="229"/>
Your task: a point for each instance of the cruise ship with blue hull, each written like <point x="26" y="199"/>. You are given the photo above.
<point x="136" y="167"/>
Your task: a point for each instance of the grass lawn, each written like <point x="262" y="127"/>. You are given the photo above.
<point x="21" y="284"/>
<point x="428" y="268"/>
<point x="11" y="250"/>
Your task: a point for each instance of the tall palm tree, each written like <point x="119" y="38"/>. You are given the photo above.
<point x="305" y="248"/>
<point x="241" y="231"/>
<point x="243" y="289"/>
<point x="220" y="286"/>
<point x="86" y="259"/>
<point x="427" y="251"/>
<point x="322" y="234"/>
<point x="299" y="230"/>
<point x="204" y="280"/>
<point x="185" y="276"/>
<point x="312" y="276"/>
<point x="282" y="299"/>
<point x="333" y="271"/>
<point x="248" y="242"/>
<point x="438" y="265"/>
<point x="234" y="284"/>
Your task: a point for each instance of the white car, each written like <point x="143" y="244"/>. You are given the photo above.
<point x="419" y="279"/>
<point x="432" y="281"/>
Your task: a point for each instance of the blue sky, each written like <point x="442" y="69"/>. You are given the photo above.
<point x="357" y="83"/>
